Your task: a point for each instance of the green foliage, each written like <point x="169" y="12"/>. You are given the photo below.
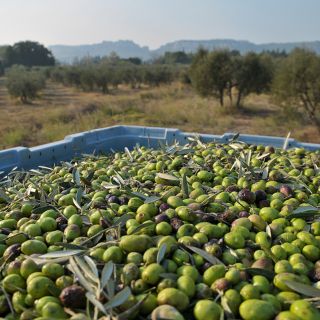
<point x="103" y="73"/>
<point x="220" y="72"/>
<point x="28" y="53"/>
<point x="177" y="57"/>
<point x="211" y="73"/>
<point x="252" y="74"/>
<point x="297" y="83"/>
<point x="24" y="83"/>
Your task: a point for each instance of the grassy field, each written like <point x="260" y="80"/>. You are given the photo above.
<point x="60" y="111"/>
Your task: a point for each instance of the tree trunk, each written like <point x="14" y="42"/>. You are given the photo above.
<point x="24" y="99"/>
<point x="105" y="89"/>
<point x="310" y="108"/>
<point x="230" y="96"/>
<point x="221" y="97"/>
<point x="238" y="103"/>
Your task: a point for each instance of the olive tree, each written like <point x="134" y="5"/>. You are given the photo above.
<point x="251" y="74"/>
<point x="211" y="73"/>
<point x="24" y="83"/>
<point x="297" y="83"/>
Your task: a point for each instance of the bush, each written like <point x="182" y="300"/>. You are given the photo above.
<point x="24" y="83"/>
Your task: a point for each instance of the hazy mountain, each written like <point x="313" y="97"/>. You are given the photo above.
<point x="124" y="48"/>
<point x="240" y="45"/>
<point x="127" y="48"/>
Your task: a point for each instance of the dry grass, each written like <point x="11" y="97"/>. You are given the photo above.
<point x="61" y="111"/>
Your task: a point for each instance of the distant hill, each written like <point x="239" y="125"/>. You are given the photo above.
<point x="127" y="48"/>
<point x="124" y="48"/>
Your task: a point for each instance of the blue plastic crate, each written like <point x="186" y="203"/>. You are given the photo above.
<point x="116" y="138"/>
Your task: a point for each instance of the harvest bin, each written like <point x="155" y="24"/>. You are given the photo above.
<point x="116" y="138"/>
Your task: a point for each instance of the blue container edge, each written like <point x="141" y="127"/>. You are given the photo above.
<point x="116" y="138"/>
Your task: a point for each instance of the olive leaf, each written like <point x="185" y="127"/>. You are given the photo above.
<point x="120" y="298"/>
<point x="42" y="209"/>
<point x="161" y="253"/>
<point x="226" y="308"/>
<point x="166" y="176"/>
<point x="45" y="168"/>
<point x="92" y="265"/>
<point x="304" y="212"/>
<point x="271" y="162"/>
<point x="205" y="255"/>
<point x="76" y="176"/>
<point x="8" y="300"/>
<point x="286" y="141"/>
<point x="87" y="271"/>
<point x="142" y="226"/>
<point x="129" y="312"/>
<point x="138" y="194"/>
<point x="184" y="186"/>
<point x="167" y="275"/>
<point x="79" y="195"/>
<point x="151" y="199"/>
<point x="60" y="254"/>
<point x="109" y="186"/>
<point x="269" y="253"/>
<point x="185" y="151"/>
<point x="302" y="288"/>
<point x="110" y="286"/>
<point x="269" y="231"/>
<point x="106" y="273"/>
<point x="265" y="173"/>
<point x="121" y="221"/>
<point x="76" y="203"/>
<point x="127" y="151"/>
<point x="70" y="246"/>
<point x="235" y="137"/>
<point x="119" y="178"/>
<point x="91" y="297"/>
<point x="264" y="155"/>
<point x="77" y="272"/>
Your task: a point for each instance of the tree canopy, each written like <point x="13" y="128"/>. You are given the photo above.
<point x="28" y="53"/>
<point x="23" y="83"/>
<point x="219" y="72"/>
<point x="297" y="83"/>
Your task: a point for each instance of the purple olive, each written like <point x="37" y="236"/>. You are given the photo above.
<point x="161" y="217"/>
<point x="113" y="199"/>
<point x="206" y="266"/>
<point x="98" y="205"/>
<point x="5" y="231"/>
<point x="123" y="200"/>
<point x="247" y="196"/>
<point x="243" y="214"/>
<point x="263" y="203"/>
<point x="163" y="207"/>
<point x="260" y="195"/>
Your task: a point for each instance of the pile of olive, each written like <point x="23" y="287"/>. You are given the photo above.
<point x="203" y="231"/>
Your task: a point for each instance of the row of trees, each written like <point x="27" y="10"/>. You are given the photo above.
<point x="90" y="75"/>
<point x="294" y="79"/>
<point x="104" y="75"/>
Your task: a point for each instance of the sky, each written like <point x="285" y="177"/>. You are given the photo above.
<point x="156" y="22"/>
